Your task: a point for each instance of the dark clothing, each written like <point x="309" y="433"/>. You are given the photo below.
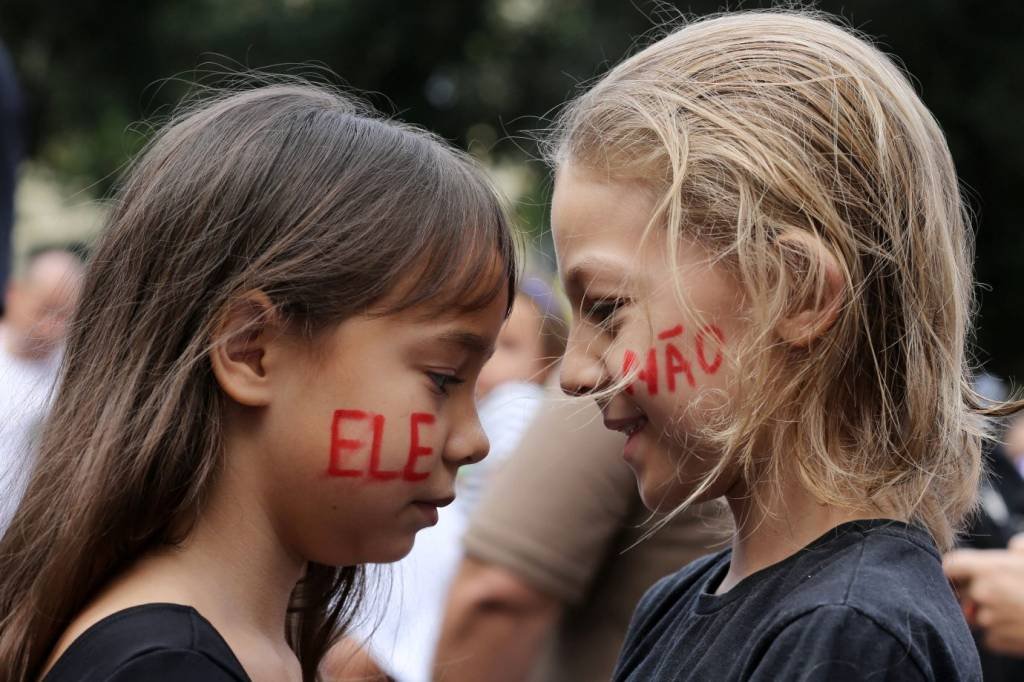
<point x="10" y="155"/>
<point x="153" y="642"/>
<point x="866" y="601"/>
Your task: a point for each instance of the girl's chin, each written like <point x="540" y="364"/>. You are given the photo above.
<point x="387" y="557"/>
<point x="661" y="491"/>
<point x="386" y="552"/>
<point x="657" y="493"/>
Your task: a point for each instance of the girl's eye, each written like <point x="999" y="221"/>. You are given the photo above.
<point x="601" y="312"/>
<point x="443" y="381"/>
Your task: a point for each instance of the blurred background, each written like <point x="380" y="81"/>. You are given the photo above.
<point x="483" y="74"/>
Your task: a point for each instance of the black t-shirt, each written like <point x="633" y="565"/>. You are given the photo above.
<point x="153" y="642"/>
<point x="866" y="601"/>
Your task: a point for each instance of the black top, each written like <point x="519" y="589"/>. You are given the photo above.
<point x="153" y="642"/>
<point x="865" y="601"/>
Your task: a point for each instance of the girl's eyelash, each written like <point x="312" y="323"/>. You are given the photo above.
<point x="601" y="311"/>
<point x="443" y="381"/>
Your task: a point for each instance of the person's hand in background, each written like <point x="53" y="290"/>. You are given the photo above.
<point x="990" y="585"/>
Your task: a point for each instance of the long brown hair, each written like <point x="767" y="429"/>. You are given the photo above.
<point x="290" y="189"/>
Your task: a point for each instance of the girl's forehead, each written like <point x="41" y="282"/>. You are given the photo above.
<point x="471" y="332"/>
<point x="468" y="335"/>
<point x="600" y="229"/>
<point x="590" y="213"/>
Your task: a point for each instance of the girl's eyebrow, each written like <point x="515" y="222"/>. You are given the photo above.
<point x="586" y="270"/>
<point x="469" y="341"/>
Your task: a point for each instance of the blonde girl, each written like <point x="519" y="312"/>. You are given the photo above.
<point x="760" y="228"/>
<point x="268" y="383"/>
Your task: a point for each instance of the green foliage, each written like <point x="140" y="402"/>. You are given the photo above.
<point x="484" y="73"/>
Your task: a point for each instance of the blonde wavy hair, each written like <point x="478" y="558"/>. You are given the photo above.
<point x="755" y="127"/>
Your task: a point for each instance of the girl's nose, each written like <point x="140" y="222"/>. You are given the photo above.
<point x="582" y="369"/>
<point x="467" y="443"/>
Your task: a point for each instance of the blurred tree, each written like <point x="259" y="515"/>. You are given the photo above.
<point x="484" y="73"/>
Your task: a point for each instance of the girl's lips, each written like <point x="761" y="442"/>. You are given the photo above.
<point x="429" y="512"/>
<point x="629" y="449"/>
<point x="438" y="501"/>
<point x="429" y="507"/>
<point x="629" y="426"/>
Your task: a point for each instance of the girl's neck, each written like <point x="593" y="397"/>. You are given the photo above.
<point x="232" y="568"/>
<point x="769" y="533"/>
<point x="235" y="562"/>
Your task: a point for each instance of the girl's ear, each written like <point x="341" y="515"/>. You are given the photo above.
<point x="240" y="343"/>
<point x="813" y="314"/>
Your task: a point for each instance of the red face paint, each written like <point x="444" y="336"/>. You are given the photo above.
<point x="671" y="333"/>
<point x="415" y="449"/>
<point x="675" y="364"/>
<point x="378" y="436"/>
<point x="342" y="448"/>
<point x="716" y="362"/>
<point x="675" y="361"/>
<point x="649" y="374"/>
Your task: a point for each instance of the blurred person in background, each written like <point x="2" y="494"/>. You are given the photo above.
<point x="988" y="567"/>
<point x="510" y="389"/>
<point x="1000" y="513"/>
<point x="557" y="558"/>
<point x="38" y="306"/>
<point x="531" y="342"/>
<point x="10" y="154"/>
<point x="403" y="619"/>
<point x="990" y="586"/>
<point x="1013" y="443"/>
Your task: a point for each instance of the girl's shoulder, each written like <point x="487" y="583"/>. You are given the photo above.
<point x="878" y="566"/>
<point x="156" y="641"/>
<point x="899" y="584"/>
<point x="675" y="591"/>
<point x="869" y="593"/>
<point x="867" y="596"/>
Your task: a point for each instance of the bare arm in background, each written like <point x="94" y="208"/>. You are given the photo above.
<point x="347" y="662"/>
<point x="545" y="545"/>
<point x="990" y="586"/>
<point x="541" y="532"/>
<point x="494" y="627"/>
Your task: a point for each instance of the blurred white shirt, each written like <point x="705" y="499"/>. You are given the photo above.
<point x="24" y="398"/>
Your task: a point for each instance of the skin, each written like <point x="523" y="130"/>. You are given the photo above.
<point x="348" y="661"/>
<point x="513" y="607"/>
<point x="497" y="621"/>
<point x="621" y="289"/>
<point x="519" y="353"/>
<point x="274" y="508"/>
<point x="39" y="305"/>
<point x="990" y="584"/>
<point x="518" y="356"/>
<point x="495" y="625"/>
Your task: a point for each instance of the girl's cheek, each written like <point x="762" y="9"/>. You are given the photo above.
<point x="678" y="360"/>
<point x="370" y="446"/>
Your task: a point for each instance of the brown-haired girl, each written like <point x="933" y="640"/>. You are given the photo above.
<point x="269" y="382"/>
<point x="759" y="225"/>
